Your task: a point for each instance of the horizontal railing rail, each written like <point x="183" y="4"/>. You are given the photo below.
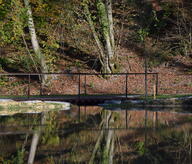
<point x="61" y="73"/>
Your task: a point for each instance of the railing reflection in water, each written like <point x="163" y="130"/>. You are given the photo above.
<point x="107" y="134"/>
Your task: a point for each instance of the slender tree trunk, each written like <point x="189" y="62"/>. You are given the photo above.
<point x="111" y="48"/>
<point x="109" y="55"/>
<point x="96" y="38"/>
<point x="110" y="18"/>
<point x="106" y="42"/>
<point x="106" y="21"/>
<point x="35" y="42"/>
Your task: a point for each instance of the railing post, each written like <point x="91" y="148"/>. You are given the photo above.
<point x="157" y="83"/>
<point x="85" y="85"/>
<point x="146" y="85"/>
<point x="126" y="89"/>
<point x="29" y="81"/>
<point x="154" y="86"/>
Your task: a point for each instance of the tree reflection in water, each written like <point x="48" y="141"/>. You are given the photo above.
<point x="35" y="140"/>
<point x="93" y="135"/>
<point x="105" y="141"/>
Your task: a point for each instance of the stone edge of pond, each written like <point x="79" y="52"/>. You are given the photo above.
<point x="28" y="103"/>
<point x="34" y="101"/>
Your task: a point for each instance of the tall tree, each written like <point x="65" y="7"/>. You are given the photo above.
<point x="35" y="42"/>
<point x="104" y="36"/>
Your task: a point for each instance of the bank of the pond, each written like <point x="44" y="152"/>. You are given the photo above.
<point x="163" y="102"/>
<point x="10" y="107"/>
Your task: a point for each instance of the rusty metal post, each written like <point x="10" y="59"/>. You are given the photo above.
<point x="154" y="87"/>
<point x="157" y="83"/>
<point x="29" y="82"/>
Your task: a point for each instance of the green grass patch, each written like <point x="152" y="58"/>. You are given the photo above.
<point x="167" y="96"/>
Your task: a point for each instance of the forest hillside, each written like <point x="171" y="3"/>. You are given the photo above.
<point x="71" y="36"/>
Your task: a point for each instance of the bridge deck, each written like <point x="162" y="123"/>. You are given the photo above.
<point x="82" y="99"/>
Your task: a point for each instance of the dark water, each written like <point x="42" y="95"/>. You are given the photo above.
<point x="95" y="135"/>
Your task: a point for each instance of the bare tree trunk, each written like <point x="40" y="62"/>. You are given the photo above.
<point x="109" y="55"/>
<point x="35" y="42"/>
<point x="106" y="42"/>
<point x="106" y="21"/>
<point x="110" y="18"/>
<point x="111" y="48"/>
<point x="96" y="38"/>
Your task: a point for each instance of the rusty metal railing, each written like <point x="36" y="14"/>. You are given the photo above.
<point x="86" y="75"/>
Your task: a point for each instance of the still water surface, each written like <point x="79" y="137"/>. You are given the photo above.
<point x="92" y="134"/>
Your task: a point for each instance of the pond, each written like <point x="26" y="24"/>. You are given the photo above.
<point x="92" y="134"/>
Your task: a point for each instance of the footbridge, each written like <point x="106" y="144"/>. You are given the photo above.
<point x="85" y="89"/>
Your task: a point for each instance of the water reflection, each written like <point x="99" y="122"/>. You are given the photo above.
<point x="94" y="135"/>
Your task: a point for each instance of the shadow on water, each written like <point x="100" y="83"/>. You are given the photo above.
<point x="92" y="134"/>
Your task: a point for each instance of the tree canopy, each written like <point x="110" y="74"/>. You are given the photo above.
<point x="96" y="28"/>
